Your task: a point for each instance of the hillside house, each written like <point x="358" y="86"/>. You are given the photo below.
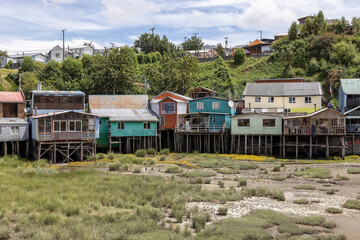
<point x="349" y="95"/>
<point x="201" y="92"/>
<point x="283" y="96"/>
<point x="126" y="122"/>
<point x="259" y="48"/>
<point x="14" y="128"/>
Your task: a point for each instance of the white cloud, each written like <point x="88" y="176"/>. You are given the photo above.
<point x="59" y="1"/>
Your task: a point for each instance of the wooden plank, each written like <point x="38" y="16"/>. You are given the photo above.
<point x="266" y="144"/>
<point x="271" y="145"/>
<point x="246" y="138"/>
<point x="327" y="147"/>
<point x="284" y="147"/>
<point x="310" y="150"/>
<point x="259" y="150"/>
<point x="252" y="144"/>
<point x="297" y="147"/>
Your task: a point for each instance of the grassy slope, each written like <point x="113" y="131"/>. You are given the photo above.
<point x="3" y="73"/>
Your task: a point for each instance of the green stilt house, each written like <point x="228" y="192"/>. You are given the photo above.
<point x="125" y="122"/>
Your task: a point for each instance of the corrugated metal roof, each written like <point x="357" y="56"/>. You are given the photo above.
<point x="283" y="89"/>
<point x="11" y="97"/>
<point x="13" y="120"/>
<point x="60" y="112"/>
<point x="132" y="115"/>
<point x="118" y="102"/>
<point x="315" y="113"/>
<point x="64" y="93"/>
<point x="176" y="94"/>
<point x="350" y="86"/>
<point x="196" y="88"/>
<point x="168" y="97"/>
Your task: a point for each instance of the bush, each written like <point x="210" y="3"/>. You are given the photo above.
<point x="242" y="182"/>
<point x="278" y="178"/>
<point x="305" y="187"/>
<point x="301" y="201"/>
<point x="333" y="210"/>
<point x="165" y="151"/>
<point x="111" y="156"/>
<point x="222" y="211"/>
<point x="140" y="153"/>
<point x="174" y="169"/>
<point x="114" y="166"/>
<point x="314" y="66"/>
<point x="151" y="151"/>
<point x="239" y="56"/>
<point x="353" y="171"/>
<point x="199" y="221"/>
<point x="100" y="156"/>
<point x="197" y="180"/>
<point x="221" y="184"/>
<point x="90" y="158"/>
<point x="162" y="158"/>
<point x="342" y="178"/>
<point x="137" y="170"/>
<point x="352" y="204"/>
<point x="71" y="211"/>
<point x="276" y="169"/>
<point x="207" y="181"/>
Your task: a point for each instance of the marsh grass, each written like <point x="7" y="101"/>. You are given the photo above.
<point x="314" y="173"/>
<point x="197" y="174"/>
<point x="353" y="171"/>
<point x="264" y="192"/>
<point x="173" y="169"/>
<point x="334" y="210"/>
<point x="278" y="178"/>
<point x="352" y="204"/>
<point x="301" y="201"/>
<point x="305" y="187"/>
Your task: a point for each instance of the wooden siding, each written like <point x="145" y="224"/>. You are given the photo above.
<point x="20" y="110"/>
<point x="170" y="119"/>
<point x="256" y="125"/>
<point x="223" y="105"/>
<point x="133" y="129"/>
<point x="168" y="94"/>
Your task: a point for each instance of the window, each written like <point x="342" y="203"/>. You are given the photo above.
<point x="10" y="110"/>
<point x="308" y="100"/>
<point x="243" y="122"/>
<point x="292" y="100"/>
<point x="121" y="125"/>
<point x="57" y="55"/>
<point x="59" y="126"/>
<point x="146" y="125"/>
<point x="215" y="105"/>
<point x="14" y="131"/>
<point x="75" y="126"/>
<point x="200" y="105"/>
<point x="167" y="108"/>
<point x="268" y="122"/>
<point x="162" y="120"/>
<point x="108" y="123"/>
<point x="270" y="99"/>
<point x="100" y="122"/>
<point x="257" y="99"/>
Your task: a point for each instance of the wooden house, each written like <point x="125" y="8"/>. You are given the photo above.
<point x="14" y="128"/>
<point x="126" y="122"/>
<point x="259" y="132"/>
<point x="349" y="95"/>
<point x="322" y="129"/>
<point x="201" y="92"/>
<point x="260" y="48"/>
<point x="64" y="133"/>
<point x="282" y="96"/>
<point x="43" y="102"/>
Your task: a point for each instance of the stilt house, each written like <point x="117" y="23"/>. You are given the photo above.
<point x="126" y="122"/>
<point x="14" y="128"/>
<point x="60" y="128"/>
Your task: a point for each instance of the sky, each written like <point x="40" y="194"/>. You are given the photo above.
<point x="35" y="25"/>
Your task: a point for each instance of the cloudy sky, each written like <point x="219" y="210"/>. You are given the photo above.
<point x="36" y="24"/>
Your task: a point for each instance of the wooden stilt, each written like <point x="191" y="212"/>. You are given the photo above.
<point x="200" y="143"/>
<point x="310" y="150"/>
<point x="352" y="144"/>
<point x="27" y="150"/>
<point x="54" y="157"/>
<point x="238" y="147"/>
<point x="252" y="144"/>
<point x="327" y="147"/>
<point x="12" y="148"/>
<point x="187" y="143"/>
<point x="110" y="144"/>
<point x="246" y="146"/>
<point x="297" y="147"/>
<point x="17" y="148"/>
<point x="284" y="146"/>
<point x="266" y="145"/>
<point x="343" y="147"/>
<point x="214" y="142"/>
<point x="232" y="142"/>
<point x="259" y="150"/>
<point x="39" y="151"/>
<point x="271" y="145"/>
<point x="67" y="152"/>
<point x="82" y="152"/>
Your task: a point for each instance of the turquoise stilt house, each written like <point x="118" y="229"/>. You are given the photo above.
<point x="126" y="122"/>
<point x="208" y="114"/>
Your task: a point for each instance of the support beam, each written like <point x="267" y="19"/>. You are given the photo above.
<point x="271" y="145"/>
<point x="297" y="147"/>
<point x="252" y="144"/>
<point x="259" y="145"/>
<point x="352" y="145"/>
<point x="310" y="150"/>
<point x="266" y="144"/>
<point x="327" y="147"/>
<point x="246" y="146"/>
<point x="284" y="147"/>
<point x="238" y="150"/>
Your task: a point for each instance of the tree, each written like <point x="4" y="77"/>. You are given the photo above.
<point x="355" y="22"/>
<point x="320" y="46"/>
<point x="343" y="53"/>
<point x="87" y="62"/>
<point x="320" y="23"/>
<point x="3" y="53"/>
<point x="293" y="31"/>
<point x="153" y="43"/>
<point x="220" y="50"/>
<point x="51" y="75"/>
<point x="90" y="44"/>
<point x="115" y="71"/>
<point x="8" y="65"/>
<point x="72" y="70"/>
<point x="222" y="81"/>
<point x="29" y="82"/>
<point x="239" y="56"/>
<point x="193" y="43"/>
<point x="27" y="65"/>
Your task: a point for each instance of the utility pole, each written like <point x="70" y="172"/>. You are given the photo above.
<point x="63" y="31"/>
<point x="197" y="43"/>
<point x="145" y="80"/>
<point x="260" y="35"/>
<point x="152" y="30"/>
<point x="185" y="44"/>
<point x="19" y="81"/>
<point x="226" y="43"/>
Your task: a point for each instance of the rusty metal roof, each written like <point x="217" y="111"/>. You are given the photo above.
<point x="11" y="97"/>
<point x="131" y="115"/>
<point x="58" y="93"/>
<point x="118" y="102"/>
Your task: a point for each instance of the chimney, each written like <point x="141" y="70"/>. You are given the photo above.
<point x="315" y="106"/>
<point x="39" y="86"/>
<point x="249" y="106"/>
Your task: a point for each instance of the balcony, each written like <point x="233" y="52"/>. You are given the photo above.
<point x="200" y="128"/>
<point x="320" y="130"/>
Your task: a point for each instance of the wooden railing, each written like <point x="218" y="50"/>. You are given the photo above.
<point x="319" y="130"/>
<point x="200" y="128"/>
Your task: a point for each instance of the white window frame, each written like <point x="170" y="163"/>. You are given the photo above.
<point x="59" y="121"/>
<point x="271" y="99"/>
<point x="147" y="125"/>
<point x="75" y="125"/>
<point x="292" y="99"/>
<point x="163" y="109"/>
<point x="14" y="131"/>
<point x="216" y="105"/>
<point x="122" y="125"/>
<point x="200" y="105"/>
<point x="162" y="120"/>
<point x="308" y="99"/>
<point x="257" y="99"/>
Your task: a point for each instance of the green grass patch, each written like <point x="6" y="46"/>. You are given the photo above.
<point x="314" y="173"/>
<point x="173" y="169"/>
<point x="342" y="178"/>
<point x="301" y="201"/>
<point x="352" y="204"/>
<point x="227" y="171"/>
<point x="264" y="192"/>
<point x="197" y="174"/>
<point x="305" y="187"/>
<point x="334" y="210"/>
<point x="353" y="171"/>
<point x="242" y="182"/>
<point x="278" y="178"/>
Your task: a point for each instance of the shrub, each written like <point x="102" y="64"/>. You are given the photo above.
<point x="196" y="180"/>
<point x="301" y="201"/>
<point x="221" y="184"/>
<point x="90" y="158"/>
<point x="165" y="151"/>
<point x="352" y="204"/>
<point x="207" y="181"/>
<point x="197" y="174"/>
<point x="353" y="171"/>
<point x="199" y="221"/>
<point x="174" y="169"/>
<point x="329" y="225"/>
<point x="333" y="210"/>
<point x="162" y="158"/>
<point x="305" y="187"/>
<point x="114" y="166"/>
<point x="342" y="178"/>
<point x="100" y="156"/>
<point x="137" y="170"/>
<point x="150" y="162"/>
<point x="278" y="178"/>
<point x="5" y="232"/>
<point x="111" y="156"/>
<point x="222" y="211"/>
<point x="71" y="211"/>
<point x="264" y="192"/>
<point x="151" y="151"/>
<point x="276" y="169"/>
<point x="49" y="219"/>
<point x="140" y="153"/>
<point x="242" y="182"/>
<point x="239" y="56"/>
<point x="282" y="164"/>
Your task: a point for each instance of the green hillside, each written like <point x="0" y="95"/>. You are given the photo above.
<point x="5" y="85"/>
